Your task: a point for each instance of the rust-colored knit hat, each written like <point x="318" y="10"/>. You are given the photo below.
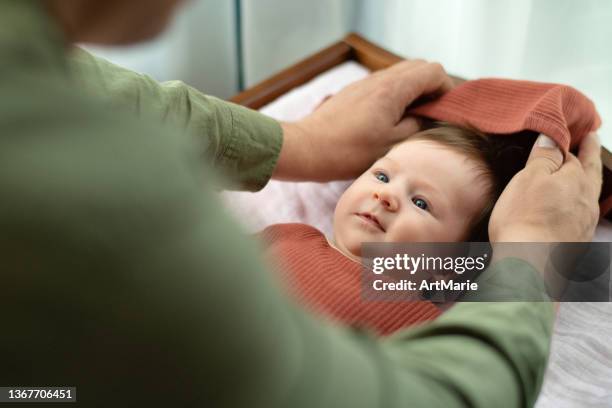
<point x="503" y="106"/>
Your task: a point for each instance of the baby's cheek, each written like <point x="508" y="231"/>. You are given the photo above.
<point x="445" y="232"/>
<point x="415" y="228"/>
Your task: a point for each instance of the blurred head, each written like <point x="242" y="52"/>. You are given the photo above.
<point x="440" y="185"/>
<point x="111" y="21"/>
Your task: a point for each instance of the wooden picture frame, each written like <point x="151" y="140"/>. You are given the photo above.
<point x="353" y="47"/>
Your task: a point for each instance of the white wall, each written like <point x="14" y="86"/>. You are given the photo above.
<point x="199" y="48"/>
<point x="278" y="33"/>
<point x="562" y="41"/>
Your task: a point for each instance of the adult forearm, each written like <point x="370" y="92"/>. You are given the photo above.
<point x="239" y="142"/>
<point x="294" y="161"/>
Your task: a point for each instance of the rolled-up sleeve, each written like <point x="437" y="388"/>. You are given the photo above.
<point x="170" y="293"/>
<point x="125" y="274"/>
<point x="244" y="331"/>
<point x="125" y="277"/>
<point x="242" y="144"/>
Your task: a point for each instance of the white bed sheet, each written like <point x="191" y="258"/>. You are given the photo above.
<point x="579" y="373"/>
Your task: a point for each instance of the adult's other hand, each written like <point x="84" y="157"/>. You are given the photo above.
<point x="551" y="200"/>
<point x="358" y="125"/>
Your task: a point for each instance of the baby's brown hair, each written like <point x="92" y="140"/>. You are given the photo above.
<point x="499" y="158"/>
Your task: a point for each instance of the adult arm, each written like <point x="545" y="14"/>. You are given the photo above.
<point x="129" y="281"/>
<point x="125" y="278"/>
<point x="338" y="141"/>
<point x="151" y="287"/>
<point x="242" y="144"/>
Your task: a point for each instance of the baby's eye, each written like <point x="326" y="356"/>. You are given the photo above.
<point x="382" y="177"/>
<point x="419" y="202"/>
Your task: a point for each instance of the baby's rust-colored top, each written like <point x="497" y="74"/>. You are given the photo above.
<point x="329" y="283"/>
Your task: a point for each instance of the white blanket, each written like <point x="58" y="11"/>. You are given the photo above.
<point x="580" y="366"/>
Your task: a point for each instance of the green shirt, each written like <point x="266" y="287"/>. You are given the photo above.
<point x="124" y="277"/>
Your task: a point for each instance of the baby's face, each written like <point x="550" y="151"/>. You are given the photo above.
<point x="421" y="191"/>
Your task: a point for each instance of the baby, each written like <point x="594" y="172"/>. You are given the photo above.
<point x="437" y="186"/>
<point x="440" y="185"/>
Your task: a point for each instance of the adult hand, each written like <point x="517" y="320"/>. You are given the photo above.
<point x="347" y="133"/>
<point x="551" y="200"/>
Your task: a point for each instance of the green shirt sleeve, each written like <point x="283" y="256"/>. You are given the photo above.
<point x="129" y="281"/>
<point x="243" y="144"/>
<point x="124" y="276"/>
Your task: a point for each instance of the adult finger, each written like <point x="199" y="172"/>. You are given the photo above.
<point x="404" y="65"/>
<point x="395" y="71"/>
<point x="422" y="79"/>
<point x="406" y="127"/>
<point x="589" y="154"/>
<point x="571" y="168"/>
<point x="545" y="156"/>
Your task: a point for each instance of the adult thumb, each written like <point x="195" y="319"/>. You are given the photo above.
<point x="545" y="155"/>
<point x="406" y="127"/>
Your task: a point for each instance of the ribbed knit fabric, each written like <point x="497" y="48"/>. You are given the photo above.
<point x="505" y="106"/>
<point x="328" y="283"/>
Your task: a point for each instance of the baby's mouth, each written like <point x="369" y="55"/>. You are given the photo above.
<point x="371" y="218"/>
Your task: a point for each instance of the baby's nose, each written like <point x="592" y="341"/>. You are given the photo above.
<point x="387" y="200"/>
